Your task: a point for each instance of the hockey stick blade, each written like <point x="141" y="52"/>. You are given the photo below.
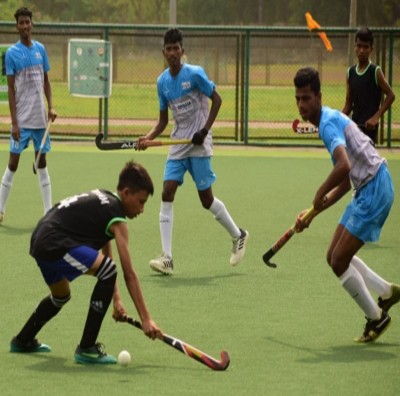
<point x="190" y="351"/>
<point x="123" y="145"/>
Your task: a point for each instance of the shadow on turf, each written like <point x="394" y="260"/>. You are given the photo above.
<point x="351" y="353"/>
<point x="177" y="281"/>
<point x="52" y="364"/>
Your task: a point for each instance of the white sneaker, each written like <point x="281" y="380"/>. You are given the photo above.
<point x="239" y="247"/>
<point x="1" y="217"/>
<point x="163" y="264"/>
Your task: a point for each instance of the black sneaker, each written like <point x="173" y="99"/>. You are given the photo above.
<point x="93" y="355"/>
<point x="28" y="347"/>
<point x="393" y="299"/>
<point x="374" y="328"/>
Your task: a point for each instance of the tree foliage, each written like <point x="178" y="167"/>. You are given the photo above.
<point x="211" y="12"/>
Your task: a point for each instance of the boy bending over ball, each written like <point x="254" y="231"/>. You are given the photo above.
<point x="66" y="243"/>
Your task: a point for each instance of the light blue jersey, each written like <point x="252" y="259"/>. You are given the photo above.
<point x="336" y="129"/>
<point x="187" y="95"/>
<point x="28" y="65"/>
<point x="365" y="215"/>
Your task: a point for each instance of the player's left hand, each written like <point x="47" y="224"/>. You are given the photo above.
<point x="52" y="115"/>
<point x="119" y="313"/>
<point x="372" y="123"/>
<point x="199" y="136"/>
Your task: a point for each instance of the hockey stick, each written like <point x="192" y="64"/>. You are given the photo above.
<point x="43" y="142"/>
<point x="303" y="130"/>
<point x="132" y="144"/>
<point x="284" y="239"/>
<point x="188" y="350"/>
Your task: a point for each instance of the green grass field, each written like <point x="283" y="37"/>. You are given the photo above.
<point x="289" y="331"/>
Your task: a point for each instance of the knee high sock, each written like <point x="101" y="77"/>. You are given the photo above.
<point x="354" y="284"/>
<point x="48" y="308"/>
<point x="222" y="215"/>
<point x="5" y="188"/>
<point x="99" y="302"/>
<point x="373" y="281"/>
<point x="166" y="225"/>
<point x="45" y="188"/>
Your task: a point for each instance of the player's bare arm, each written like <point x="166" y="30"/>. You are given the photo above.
<point x="157" y="130"/>
<point x="389" y="99"/>
<point x="339" y="176"/>
<point x="216" y="102"/>
<point x="120" y="231"/>
<point x="52" y="114"/>
<point x="13" y="107"/>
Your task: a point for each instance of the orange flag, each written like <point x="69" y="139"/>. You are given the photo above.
<point x="312" y="25"/>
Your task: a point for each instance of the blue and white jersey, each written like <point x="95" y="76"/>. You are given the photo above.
<point x="187" y="95"/>
<point x="336" y="129"/>
<point x="28" y="65"/>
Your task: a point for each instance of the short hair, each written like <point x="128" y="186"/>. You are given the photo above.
<point x="364" y="34"/>
<point x="23" y="11"/>
<point x="308" y="76"/>
<point x="173" y="36"/>
<point x="135" y="177"/>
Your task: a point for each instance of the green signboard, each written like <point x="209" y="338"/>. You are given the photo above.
<point x="3" y="76"/>
<point x="89" y="68"/>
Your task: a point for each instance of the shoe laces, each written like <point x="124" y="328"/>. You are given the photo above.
<point x="100" y="348"/>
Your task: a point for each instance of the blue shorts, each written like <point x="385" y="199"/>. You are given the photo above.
<point x="198" y="167"/>
<point x="74" y="263"/>
<point x="366" y="213"/>
<point x="25" y="136"/>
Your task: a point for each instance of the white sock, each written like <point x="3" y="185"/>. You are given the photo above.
<point x="166" y="224"/>
<point x="354" y="284"/>
<point x="373" y="281"/>
<point x="221" y="214"/>
<point x="5" y="188"/>
<point x="45" y="188"/>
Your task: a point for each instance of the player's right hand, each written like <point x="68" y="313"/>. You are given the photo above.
<point x="151" y="329"/>
<point x="300" y="224"/>
<point x="199" y="136"/>
<point x="141" y="143"/>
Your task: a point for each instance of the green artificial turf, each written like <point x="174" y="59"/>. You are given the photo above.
<point x="289" y="331"/>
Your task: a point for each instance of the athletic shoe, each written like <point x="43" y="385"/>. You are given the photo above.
<point x="393" y="299"/>
<point x="163" y="264"/>
<point x="374" y="328"/>
<point x="28" y="347"/>
<point x="239" y="247"/>
<point x="1" y="217"/>
<point x="93" y="355"/>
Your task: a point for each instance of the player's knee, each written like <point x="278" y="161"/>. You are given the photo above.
<point x="59" y="302"/>
<point x="107" y="271"/>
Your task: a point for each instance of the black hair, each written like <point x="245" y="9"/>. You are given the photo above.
<point x="135" y="177"/>
<point x="173" y="36"/>
<point x="23" y="11"/>
<point x="308" y="76"/>
<point x="364" y="34"/>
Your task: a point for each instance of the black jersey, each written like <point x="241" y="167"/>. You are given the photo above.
<point x="83" y="219"/>
<point x="365" y="93"/>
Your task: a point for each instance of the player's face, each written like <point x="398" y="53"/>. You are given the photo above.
<point x="363" y="51"/>
<point x="133" y="202"/>
<point x="24" y="26"/>
<point x="173" y="54"/>
<point x="309" y="104"/>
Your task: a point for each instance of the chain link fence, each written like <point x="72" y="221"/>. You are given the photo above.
<point x="253" y="69"/>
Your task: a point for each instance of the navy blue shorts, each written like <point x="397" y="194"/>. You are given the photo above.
<point x="75" y="263"/>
